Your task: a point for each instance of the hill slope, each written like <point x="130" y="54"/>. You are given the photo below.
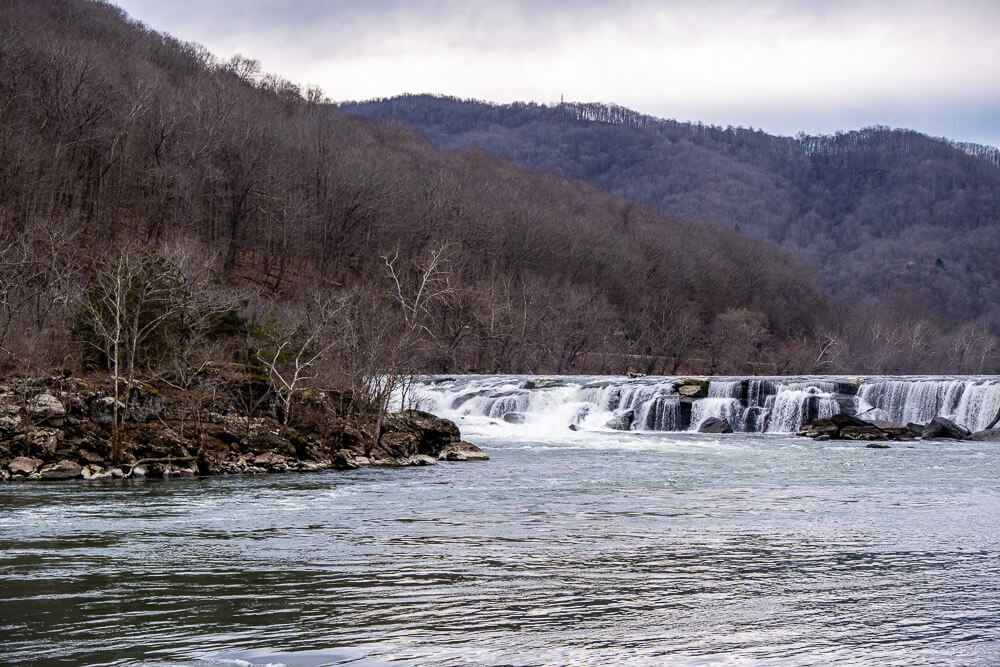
<point x="876" y="211"/>
<point x="114" y="133"/>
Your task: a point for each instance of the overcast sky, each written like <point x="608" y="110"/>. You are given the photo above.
<point x="783" y="66"/>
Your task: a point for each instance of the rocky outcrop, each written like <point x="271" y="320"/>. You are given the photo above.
<point x="843" y="426"/>
<point x="715" y="425"/>
<point x="941" y="427"/>
<point x="61" y="429"/>
<point x="692" y="387"/>
<point x="24" y="465"/>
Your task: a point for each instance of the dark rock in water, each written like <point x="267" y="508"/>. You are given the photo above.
<point x="822" y="437"/>
<point x="622" y="421"/>
<point x="543" y="383"/>
<point x="940" y="427"/>
<point x="62" y="470"/>
<point x="916" y="430"/>
<point x="831" y="426"/>
<point x="574" y="427"/>
<point x="989" y="435"/>
<point x="848" y="427"/>
<point x="715" y="425"/>
<point x="514" y="417"/>
<point x="895" y="430"/>
<point x="463" y="451"/>
<point x="877" y="445"/>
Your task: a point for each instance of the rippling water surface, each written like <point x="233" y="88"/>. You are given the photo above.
<point x="592" y="549"/>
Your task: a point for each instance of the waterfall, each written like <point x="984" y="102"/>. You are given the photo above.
<point x="971" y="403"/>
<point x="756" y="405"/>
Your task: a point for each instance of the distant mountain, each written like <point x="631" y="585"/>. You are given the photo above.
<point x="878" y="211"/>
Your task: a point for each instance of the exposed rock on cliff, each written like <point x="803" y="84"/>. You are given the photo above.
<point x="61" y="428"/>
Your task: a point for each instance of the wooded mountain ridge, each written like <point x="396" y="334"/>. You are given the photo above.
<point x="876" y="211"/>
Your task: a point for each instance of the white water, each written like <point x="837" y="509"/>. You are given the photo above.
<point x="551" y="405"/>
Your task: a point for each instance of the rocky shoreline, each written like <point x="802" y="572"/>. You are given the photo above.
<point x="844" y="426"/>
<point x="61" y="428"/>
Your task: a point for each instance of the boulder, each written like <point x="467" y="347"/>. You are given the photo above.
<point x="43" y="442"/>
<point x="271" y="461"/>
<point x="514" y="417"/>
<point x="463" y="451"/>
<point x="47" y="407"/>
<point x="878" y="445"/>
<point x="421" y="460"/>
<point x="916" y="430"/>
<point x="941" y="427"/>
<point x="849" y="427"/>
<point x="543" y="383"/>
<point x="24" y="465"/>
<point x="65" y="469"/>
<point x="622" y="421"/>
<point x="91" y="471"/>
<point x="715" y="425"/>
<point x="692" y="387"/>
<point x="989" y="435"/>
<point x="343" y="460"/>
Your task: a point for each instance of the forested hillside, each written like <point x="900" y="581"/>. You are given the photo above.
<point x="160" y="208"/>
<point x="876" y="211"/>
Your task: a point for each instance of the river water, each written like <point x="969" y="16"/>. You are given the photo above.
<point x="583" y="548"/>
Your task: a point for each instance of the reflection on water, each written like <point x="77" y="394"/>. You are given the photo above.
<point x="607" y="548"/>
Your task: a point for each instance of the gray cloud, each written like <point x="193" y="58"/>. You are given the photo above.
<point x="776" y="64"/>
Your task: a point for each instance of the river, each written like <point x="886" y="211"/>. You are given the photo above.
<point x="568" y="548"/>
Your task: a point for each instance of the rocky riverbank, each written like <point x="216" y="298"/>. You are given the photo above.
<point x="844" y="426"/>
<point x="230" y="422"/>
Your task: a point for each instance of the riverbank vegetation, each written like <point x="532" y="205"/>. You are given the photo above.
<point x="162" y="211"/>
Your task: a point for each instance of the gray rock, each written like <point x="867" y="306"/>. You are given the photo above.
<point x="421" y="460"/>
<point x="514" y="417"/>
<point x="940" y="427"/>
<point x="916" y="430"/>
<point x="63" y="470"/>
<point x="24" y="465"/>
<point x="622" y="421"/>
<point x="463" y="451"/>
<point x="46" y="406"/>
<point x="989" y="435"/>
<point x="715" y="425"/>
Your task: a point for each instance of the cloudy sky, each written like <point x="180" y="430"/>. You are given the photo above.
<point x="812" y="65"/>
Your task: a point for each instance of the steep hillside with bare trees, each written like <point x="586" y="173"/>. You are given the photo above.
<point x="162" y="210"/>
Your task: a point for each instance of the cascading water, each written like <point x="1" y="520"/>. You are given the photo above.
<point x="970" y="402"/>
<point x="756" y="405"/>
